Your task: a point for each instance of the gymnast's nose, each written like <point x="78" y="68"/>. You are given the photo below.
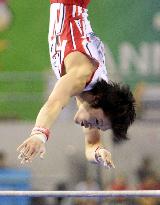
<point x="78" y="119"/>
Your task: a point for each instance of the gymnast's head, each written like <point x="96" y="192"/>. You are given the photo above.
<point x="111" y="106"/>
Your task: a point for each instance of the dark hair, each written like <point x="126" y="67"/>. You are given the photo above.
<point x="118" y="104"/>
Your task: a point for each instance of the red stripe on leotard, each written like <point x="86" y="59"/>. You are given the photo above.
<point x="82" y="3"/>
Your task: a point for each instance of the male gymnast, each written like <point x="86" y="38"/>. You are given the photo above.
<point x="77" y="58"/>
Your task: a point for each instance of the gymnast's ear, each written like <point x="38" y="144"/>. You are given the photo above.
<point x="95" y="100"/>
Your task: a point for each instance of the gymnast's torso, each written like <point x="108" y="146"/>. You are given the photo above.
<point x="69" y="31"/>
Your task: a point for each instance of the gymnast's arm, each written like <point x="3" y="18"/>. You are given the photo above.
<point x="69" y="85"/>
<point x="92" y="141"/>
<point x="94" y="149"/>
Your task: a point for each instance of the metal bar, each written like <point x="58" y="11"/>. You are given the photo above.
<point x="84" y="194"/>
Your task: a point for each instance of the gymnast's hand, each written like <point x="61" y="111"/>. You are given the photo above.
<point x="103" y="157"/>
<point x="32" y="147"/>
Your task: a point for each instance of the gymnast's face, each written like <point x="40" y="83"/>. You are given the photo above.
<point x="90" y="117"/>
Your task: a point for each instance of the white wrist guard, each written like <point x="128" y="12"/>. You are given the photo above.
<point x="41" y="130"/>
<point x="40" y="136"/>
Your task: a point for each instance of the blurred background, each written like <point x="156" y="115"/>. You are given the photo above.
<point x="130" y="31"/>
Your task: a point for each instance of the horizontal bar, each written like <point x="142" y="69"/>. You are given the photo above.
<point x="84" y="194"/>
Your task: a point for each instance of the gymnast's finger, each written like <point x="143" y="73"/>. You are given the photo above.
<point x="22" y="153"/>
<point x="42" y="153"/>
<point x="22" y="145"/>
<point x="33" y="155"/>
